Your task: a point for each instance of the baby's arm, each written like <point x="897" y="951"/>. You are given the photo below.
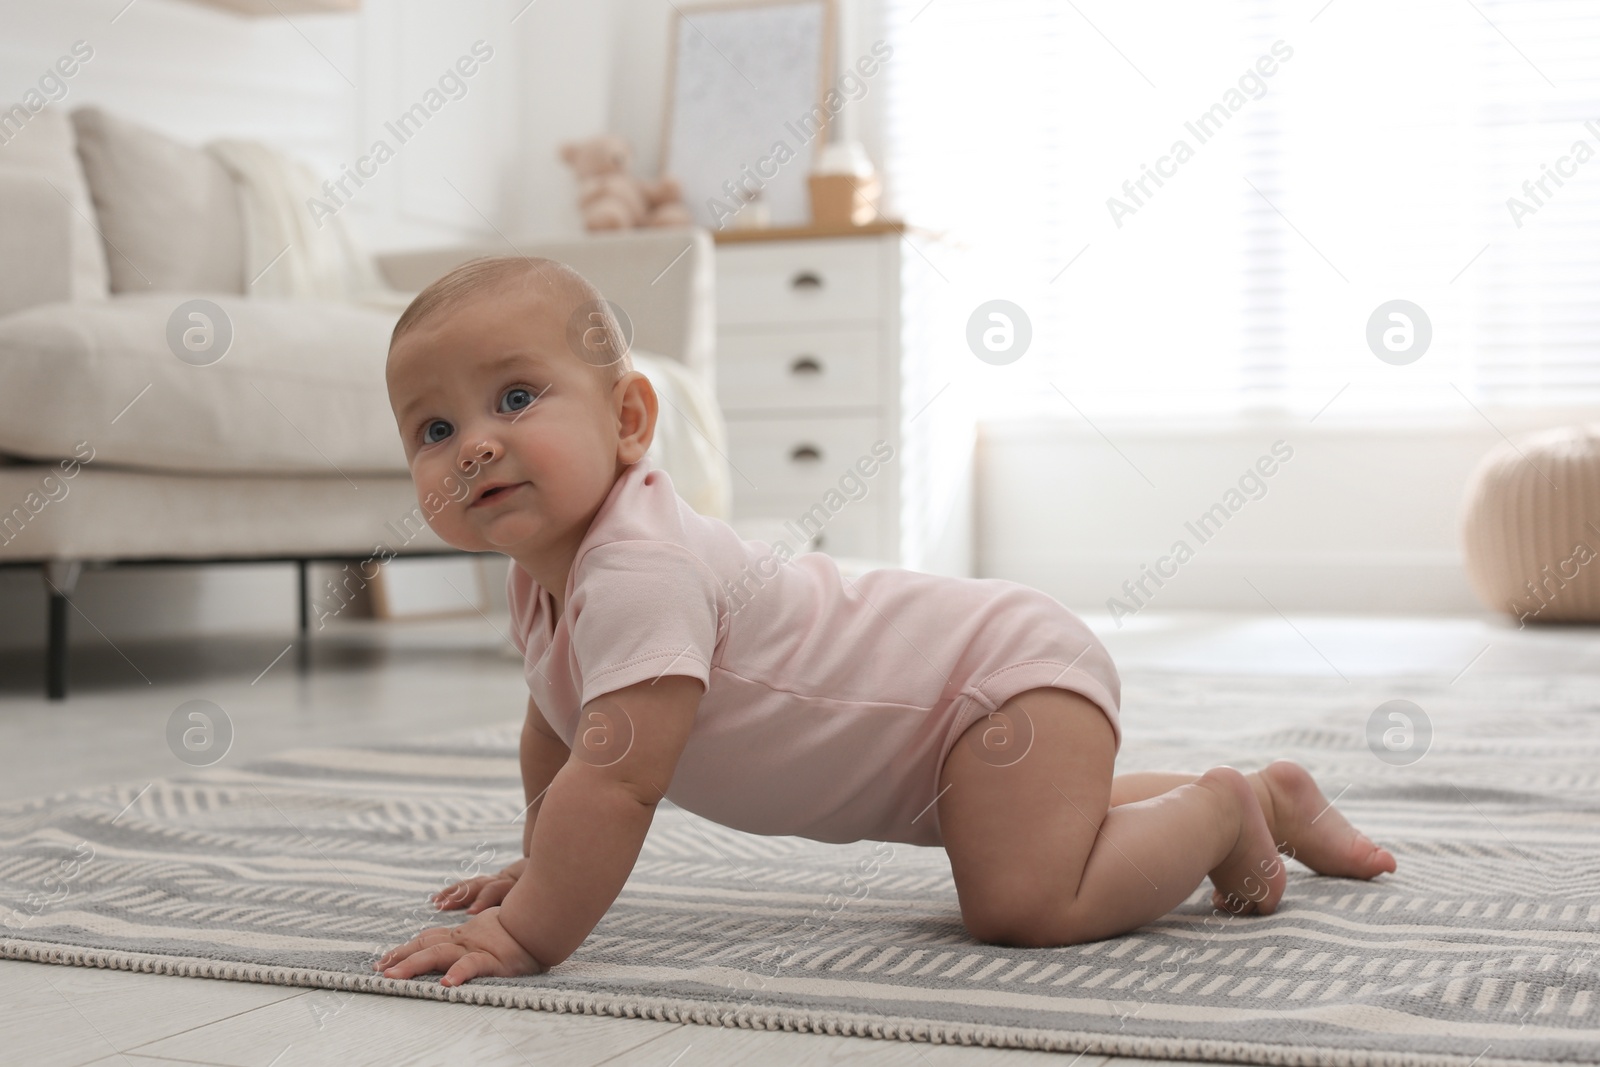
<point x="592" y="822"/>
<point x="542" y="755"/>
<point x="594" y="816"/>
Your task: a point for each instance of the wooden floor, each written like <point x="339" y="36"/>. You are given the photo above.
<point x="393" y="681"/>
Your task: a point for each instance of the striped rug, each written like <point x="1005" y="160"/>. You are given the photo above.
<point x="300" y="869"/>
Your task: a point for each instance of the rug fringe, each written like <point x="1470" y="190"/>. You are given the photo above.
<point x="797" y="1020"/>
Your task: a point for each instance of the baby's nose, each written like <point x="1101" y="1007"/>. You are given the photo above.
<point x="482" y="453"/>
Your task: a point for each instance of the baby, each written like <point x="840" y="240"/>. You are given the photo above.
<point x="667" y="657"/>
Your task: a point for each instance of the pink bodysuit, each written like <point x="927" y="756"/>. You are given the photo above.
<point x="830" y="704"/>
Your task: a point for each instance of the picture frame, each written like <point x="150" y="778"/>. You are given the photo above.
<point x="742" y="78"/>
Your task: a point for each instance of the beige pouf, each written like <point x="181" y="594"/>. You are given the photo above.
<point x="1532" y="526"/>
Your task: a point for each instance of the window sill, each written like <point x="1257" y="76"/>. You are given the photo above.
<point x="1467" y="422"/>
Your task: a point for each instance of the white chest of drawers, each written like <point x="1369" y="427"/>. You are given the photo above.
<point x="836" y="438"/>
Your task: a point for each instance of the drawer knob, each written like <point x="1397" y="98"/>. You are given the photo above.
<point x="805" y="454"/>
<point x="806" y="365"/>
<point x="806" y="280"/>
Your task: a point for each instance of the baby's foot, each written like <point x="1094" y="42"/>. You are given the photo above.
<point x="1251" y="878"/>
<point x="1311" y="830"/>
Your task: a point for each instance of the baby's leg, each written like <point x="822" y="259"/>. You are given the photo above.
<point x="1303" y="823"/>
<point x="1041" y="858"/>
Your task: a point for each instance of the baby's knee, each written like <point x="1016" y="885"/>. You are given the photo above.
<point x="1042" y="920"/>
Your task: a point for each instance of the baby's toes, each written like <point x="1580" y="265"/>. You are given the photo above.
<point x="1371" y="859"/>
<point x="1233" y="905"/>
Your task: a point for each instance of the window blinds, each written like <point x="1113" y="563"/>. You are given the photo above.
<point x="1201" y="207"/>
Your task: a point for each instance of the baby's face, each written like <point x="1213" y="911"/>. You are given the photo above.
<point x="488" y="394"/>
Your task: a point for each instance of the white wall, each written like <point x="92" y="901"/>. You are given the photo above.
<point x="1361" y="518"/>
<point x="323" y="86"/>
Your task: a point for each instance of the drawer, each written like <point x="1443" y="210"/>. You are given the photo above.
<point x="804" y="457"/>
<point x="799" y="368"/>
<point x="779" y="282"/>
<point x="855" y="530"/>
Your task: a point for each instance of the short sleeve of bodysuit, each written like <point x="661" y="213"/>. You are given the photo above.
<point x="642" y="609"/>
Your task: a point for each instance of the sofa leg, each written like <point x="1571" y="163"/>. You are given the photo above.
<point x="303" y="643"/>
<point x="62" y="578"/>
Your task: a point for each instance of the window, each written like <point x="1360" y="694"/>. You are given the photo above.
<point x="1202" y="208"/>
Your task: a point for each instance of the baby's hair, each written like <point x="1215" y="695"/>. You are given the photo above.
<point x="581" y="304"/>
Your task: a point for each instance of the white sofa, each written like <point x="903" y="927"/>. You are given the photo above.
<point x="115" y="451"/>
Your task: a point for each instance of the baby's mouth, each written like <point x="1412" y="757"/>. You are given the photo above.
<point x="489" y="496"/>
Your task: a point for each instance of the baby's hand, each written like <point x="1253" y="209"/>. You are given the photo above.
<point x="478" y="948"/>
<point x="484" y="891"/>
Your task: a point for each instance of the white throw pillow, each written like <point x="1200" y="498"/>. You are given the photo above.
<point x="169" y="211"/>
<point x="44" y="144"/>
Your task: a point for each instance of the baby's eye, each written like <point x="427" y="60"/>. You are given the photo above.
<point x="427" y="432"/>
<point x="518" y="398"/>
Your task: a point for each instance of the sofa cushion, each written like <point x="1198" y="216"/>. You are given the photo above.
<point x="299" y="389"/>
<point x="43" y="145"/>
<point x="169" y="211"/>
<point x="111" y="513"/>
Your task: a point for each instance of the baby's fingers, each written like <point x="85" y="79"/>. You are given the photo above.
<point x="460" y="894"/>
<point x="437" y="957"/>
<point x="470" y="966"/>
<point x="426" y="939"/>
<point x="491" y="894"/>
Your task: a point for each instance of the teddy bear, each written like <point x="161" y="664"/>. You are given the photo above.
<point x="609" y="198"/>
